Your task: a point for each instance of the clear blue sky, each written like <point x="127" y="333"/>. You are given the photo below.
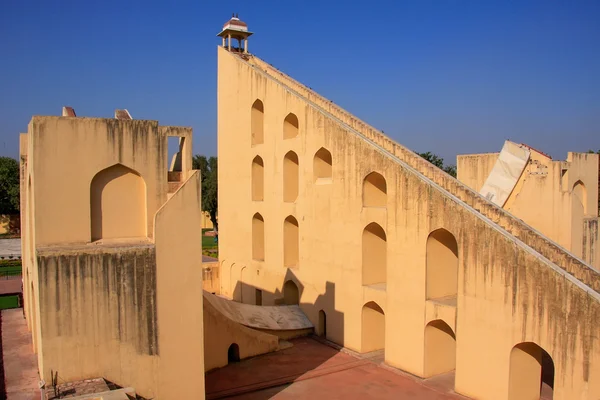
<point x="445" y="76"/>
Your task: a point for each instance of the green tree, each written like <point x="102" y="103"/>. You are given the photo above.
<point x="9" y="186"/>
<point x="208" y="173"/>
<point x="439" y="162"/>
<point x="593" y="152"/>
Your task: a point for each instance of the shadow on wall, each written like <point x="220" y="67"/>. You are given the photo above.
<point x="328" y="323"/>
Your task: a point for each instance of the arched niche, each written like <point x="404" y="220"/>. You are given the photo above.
<point x="440" y="348"/>
<point x="257" y="118"/>
<point x="291" y="295"/>
<point x="374" y="190"/>
<point x="118" y="204"/>
<point x="580" y="195"/>
<point x="441" y="264"/>
<point x="290" y="126"/>
<point x="258" y="237"/>
<point x="291" y="173"/>
<point x="374" y="255"/>
<point x="322" y="165"/>
<point x="258" y="179"/>
<point x="531" y="372"/>
<point x="373" y="327"/>
<point x="291" y="242"/>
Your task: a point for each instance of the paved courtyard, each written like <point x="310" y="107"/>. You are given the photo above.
<point x="312" y="370"/>
<point x="20" y="366"/>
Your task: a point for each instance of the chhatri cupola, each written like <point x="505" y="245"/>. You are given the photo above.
<point x="236" y="30"/>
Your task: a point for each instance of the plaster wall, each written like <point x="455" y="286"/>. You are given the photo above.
<point x="473" y="169"/>
<point x="90" y="145"/>
<point x="111" y="308"/>
<point x="507" y="292"/>
<point x="98" y="316"/>
<point x="178" y="237"/>
<point x="546" y="197"/>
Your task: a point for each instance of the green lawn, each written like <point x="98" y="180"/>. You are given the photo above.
<point x="8" y="302"/>
<point x="10" y="268"/>
<point x="208" y="242"/>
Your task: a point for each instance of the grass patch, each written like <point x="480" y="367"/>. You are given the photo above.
<point x="9" y="235"/>
<point x="7" y="302"/>
<point x="10" y="268"/>
<point x="208" y="242"/>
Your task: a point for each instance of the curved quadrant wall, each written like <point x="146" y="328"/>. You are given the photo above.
<point x="118" y="204"/>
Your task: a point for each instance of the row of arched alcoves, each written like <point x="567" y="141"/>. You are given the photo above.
<point x="257" y="124"/>
<point x="374" y="188"/>
<point x="322" y="171"/>
<point x="441" y="254"/>
<point x="531" y="368"/>
<point x="291" y="240"/>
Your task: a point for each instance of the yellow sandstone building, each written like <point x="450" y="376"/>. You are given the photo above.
<point x="324" y="224"/>
<point x="111" y="254"/>
<point x="382" y="250"/>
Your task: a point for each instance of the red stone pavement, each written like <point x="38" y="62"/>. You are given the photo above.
<point x="20" y="364"/>
<point x="312" y="370"/>
<point x="10" y="286"/>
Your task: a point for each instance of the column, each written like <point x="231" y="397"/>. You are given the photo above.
<point x="229" y="42"/>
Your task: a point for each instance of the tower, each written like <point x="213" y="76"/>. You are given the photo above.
<point x="235" y="29"/>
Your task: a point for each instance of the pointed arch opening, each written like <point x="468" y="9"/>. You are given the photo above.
<point x="233" y="353"/>
<point x="291" y="171"/>
<point x="531" y="373"/>
<point x="291" y="242"/>
<point x="580" y="196"/>
<point x="257" y="122"/>
<point x="258" y="237"/>
<point x="290" y="126"/>
<point x="373" y="328"/>
<point x="322" y="324"/>
<point x="258" y="179"/>
<point x="118" y="204"/>
<point x="291" y="295"/>
<point x="322" y="165"/>
<point x="440" y="348"/>
<point x="441" y="265"/>
<point x="374" y="255"/>
<point x="374" y="190"/>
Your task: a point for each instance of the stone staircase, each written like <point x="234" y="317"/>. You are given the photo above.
<point x="439" y="179"/>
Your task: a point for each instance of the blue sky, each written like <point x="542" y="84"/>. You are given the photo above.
<point x="451" y="77"/>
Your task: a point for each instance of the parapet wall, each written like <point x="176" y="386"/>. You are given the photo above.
<point x="441" y="180"/>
